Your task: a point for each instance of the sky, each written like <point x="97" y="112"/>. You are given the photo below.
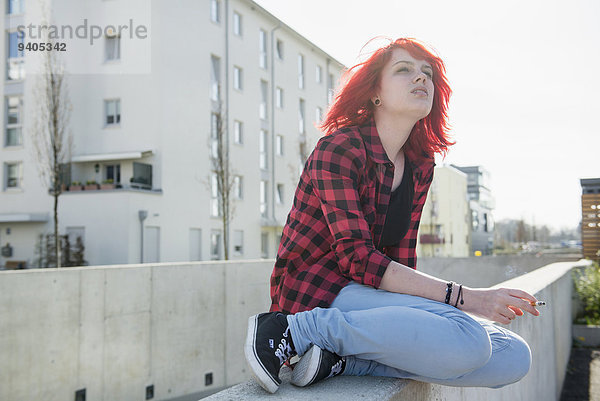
<point x="525" y="77"/>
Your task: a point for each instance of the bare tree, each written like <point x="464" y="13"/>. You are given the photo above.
<point x="52" y="142"/>
<point x="222" y="177"/>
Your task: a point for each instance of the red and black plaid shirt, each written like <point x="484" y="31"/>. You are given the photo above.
<point x="333" y="230"/>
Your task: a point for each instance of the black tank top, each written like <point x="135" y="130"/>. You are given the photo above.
<point x="399" y="210"/>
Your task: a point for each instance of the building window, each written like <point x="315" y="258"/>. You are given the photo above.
<point x="318" y="115"/>
<point x="238" y="242"/>
<point x="215" y="245"/>
<point x="142" y="175"/>
<point x="237" y="78"/>
<point x="16" y="62"/>
<point x="301" y="113"/>
<point x="264" y="245"/>
<point x="279" y="49"/>
<point x="215" y="11"/>
<point x="112" y="172"/>
<point x="112" y="110"/>
<point x="15" y="6"/>
<point x="279" y="145"/>
<point x="13" y="116"/>
<point x="262" y="42"/>
<point x="262" y="106"/>
<point x="64" y="173"/>
<point x="330" y="89"/>
<point x="475" y="220"/>
<point x="113" y="47"/>
<point x="238" y="187"/>
<point x="279" y="98"/>
<point x="300" y="71"/>
<point x="195" y="244"/>
<point x="13" y="175"/>
<point x="238" y="132"/>
<point x="214" y="135"/>
<point x="215" y="78"/>
<point x="237" y="23"/>
<point x="262" y="143"/>
<point x="279" y="194"/>
<point x="319" y="74"/>
<point x="263" y="198"/>
<point x="215" y="205"/>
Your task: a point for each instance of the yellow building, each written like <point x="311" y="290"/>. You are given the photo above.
<point x="444" y="229"/>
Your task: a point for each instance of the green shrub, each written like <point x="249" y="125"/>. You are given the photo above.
<point x="587" y="285"/>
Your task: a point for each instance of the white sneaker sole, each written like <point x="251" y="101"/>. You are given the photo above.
<point x="258" y="370"/>
<point x="306" y="370"/>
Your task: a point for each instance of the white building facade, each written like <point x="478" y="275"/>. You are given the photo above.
<point x="444" y="229"/>
<point x="146" y="136"/>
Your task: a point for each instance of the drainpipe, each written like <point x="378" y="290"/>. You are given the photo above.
<point x="142" y="214"/>
<point x="225" y="120"/>
<point x="327" y="83"/>
<point x="273" y="184"/>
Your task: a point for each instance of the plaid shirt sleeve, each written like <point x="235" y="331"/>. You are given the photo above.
<point x="335" y="170"/>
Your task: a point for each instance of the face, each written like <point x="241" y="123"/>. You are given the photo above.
<point x="406" y="87"/>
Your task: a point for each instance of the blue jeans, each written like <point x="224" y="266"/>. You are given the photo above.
<point x="397" y="335"/>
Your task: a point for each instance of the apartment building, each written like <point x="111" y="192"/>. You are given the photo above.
<point x="144" y="118"/>
<point x="482" y="204"/>
<point x="445" y="222"/>
<point x="590" y="217"/>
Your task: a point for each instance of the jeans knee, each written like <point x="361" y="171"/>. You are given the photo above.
<point x="520" y="361"/>
<point x="475" y="352"/>
<point x="474" y="356"/>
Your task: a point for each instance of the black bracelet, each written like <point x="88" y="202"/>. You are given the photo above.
<point x="459" y="296"/>
<point x="449" y="291"/>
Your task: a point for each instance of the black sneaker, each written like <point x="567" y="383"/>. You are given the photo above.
<point x="268" y="346"/>
<point x="316" y="365"/>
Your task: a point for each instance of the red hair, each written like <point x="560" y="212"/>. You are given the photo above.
<point x="353" y="106"/>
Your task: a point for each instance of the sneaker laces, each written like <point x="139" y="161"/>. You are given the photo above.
<point x="284" y="350"/>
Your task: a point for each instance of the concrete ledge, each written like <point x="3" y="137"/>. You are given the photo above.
<point x="338" y="388"/>
<point x="548" y="335"/>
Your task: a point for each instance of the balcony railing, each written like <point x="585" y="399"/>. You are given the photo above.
<point x="432" y="239"/>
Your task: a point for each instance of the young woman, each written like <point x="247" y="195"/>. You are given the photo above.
<point x="345" y="293"/>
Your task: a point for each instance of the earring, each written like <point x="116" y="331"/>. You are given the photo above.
<point x="377" y="102"/>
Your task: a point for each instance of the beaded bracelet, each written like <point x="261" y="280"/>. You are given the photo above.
<point x="449" y="291"/>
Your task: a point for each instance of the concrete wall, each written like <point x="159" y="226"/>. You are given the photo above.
<point x="114" y="330"/>
<point x="548" y="335"/>
<point x="487" y="270"/>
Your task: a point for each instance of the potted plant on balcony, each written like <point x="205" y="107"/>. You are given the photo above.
<point x="91" y="184"/>
<point x="586" y="328"/>
<point x="75" y="186"/>
<point x="107" y="184"/>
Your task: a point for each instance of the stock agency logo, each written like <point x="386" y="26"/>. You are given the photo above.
<point x="82" y="31"/>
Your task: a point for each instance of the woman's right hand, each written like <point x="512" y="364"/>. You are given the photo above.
<point x="500" y="305"/>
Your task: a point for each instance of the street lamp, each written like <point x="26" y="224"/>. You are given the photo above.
<point x="142" y="214"/>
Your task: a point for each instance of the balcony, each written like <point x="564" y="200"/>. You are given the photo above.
<point x="122" y="171"/>
<point x="432" y="239"/>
